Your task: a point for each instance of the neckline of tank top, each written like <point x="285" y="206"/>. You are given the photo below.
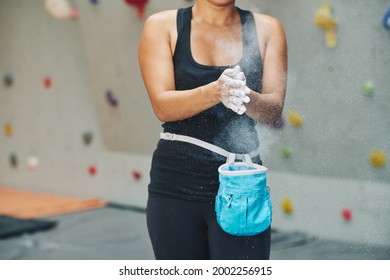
<point x="213" y="67"/>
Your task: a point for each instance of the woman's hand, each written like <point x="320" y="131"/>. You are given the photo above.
<point x="232" y="90"/>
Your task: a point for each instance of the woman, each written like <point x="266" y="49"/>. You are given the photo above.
<point x="212" y="71"/>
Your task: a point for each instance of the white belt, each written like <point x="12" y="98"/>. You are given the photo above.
<point x="231" y="157"/>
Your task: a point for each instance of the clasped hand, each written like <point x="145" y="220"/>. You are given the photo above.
<point x="233" y="90"/>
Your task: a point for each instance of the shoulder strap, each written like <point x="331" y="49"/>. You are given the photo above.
<point x="183" y="25"/>
<point x="249" y="27"/>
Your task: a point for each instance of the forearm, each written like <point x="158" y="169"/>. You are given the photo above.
<point x="177" y="105"/>
<point x="266" y="107"/>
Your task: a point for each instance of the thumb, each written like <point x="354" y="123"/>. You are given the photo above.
<point x="232" y="71"/>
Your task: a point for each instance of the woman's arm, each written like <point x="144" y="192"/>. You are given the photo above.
<point x="155" y="59"/>
<point x="267" y="107"/>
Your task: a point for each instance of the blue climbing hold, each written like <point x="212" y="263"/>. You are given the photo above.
<point x="111" y="99"/>
<point x="386" y="19"/>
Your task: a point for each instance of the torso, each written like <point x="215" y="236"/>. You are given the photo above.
<point x="205" y="50"/>
<point x="185" y="170"/>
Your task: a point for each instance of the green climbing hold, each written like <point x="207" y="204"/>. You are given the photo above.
<point x="368" y="88"/>
<point x="286" y="152"/>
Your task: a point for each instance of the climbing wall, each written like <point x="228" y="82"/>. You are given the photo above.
<point x="75" y="118"/>
<point x="66" y="99"/>
<point x="329" y="154"/>
<point x="336" y="118"/>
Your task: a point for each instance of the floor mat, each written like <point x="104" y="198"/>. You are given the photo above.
<point x="10" y="226"/>
<point x="29" y="205"/>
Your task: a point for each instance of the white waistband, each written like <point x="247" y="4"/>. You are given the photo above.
<point x="231" y="157"/>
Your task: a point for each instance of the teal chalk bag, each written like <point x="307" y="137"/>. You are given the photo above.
<point x="242" y="205"/>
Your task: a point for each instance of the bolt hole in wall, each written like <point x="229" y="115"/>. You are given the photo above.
<point x="77" y="121"/>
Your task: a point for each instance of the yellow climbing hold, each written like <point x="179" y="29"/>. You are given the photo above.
<point x="287" y="206"/>
<point x="8" y="129"/>
<point x="378" y="158"/>
<point x="323" y="18"/>
<point x="295" y="118"/>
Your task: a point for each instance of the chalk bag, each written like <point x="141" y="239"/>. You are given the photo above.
<point x="243" y="205"/>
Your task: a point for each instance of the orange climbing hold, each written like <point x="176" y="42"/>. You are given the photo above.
<point x="295" y="118"/>
<point x="378" y="158"/>
<point x="324" y="19"/>
<point x="8" y="129"/>
<point x="287" y="206"/>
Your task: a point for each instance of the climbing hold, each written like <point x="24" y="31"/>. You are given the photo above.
<point x="61" y="9"/>
<point x="287" y="206"/>
<point x="295" y="118"/>
<point x="87" y="137"/>
<point x="368" y="88"/>
<point x="47" y="82"/>
<point x="386" y="19"/>
<point x="92" y="170"/>
<point x="8" y="129"/>
<point x="137" y="175"/>
<point x="111" y="99"/>
<point x="95" y="2"/>
<point x="323" y="18"/>
<point x="278" y="124"/>
<point x="346" y="214"/>
<point x="140" y="5"/>
<point x="13" y="160"/>
<point x="286" y="152"/>
<point x="8" y="80"/>
<point x="378" y="158"/>
<point x="32" y="163"/>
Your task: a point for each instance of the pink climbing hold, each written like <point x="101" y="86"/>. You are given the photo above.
<point x="47" y="82"/>
<point x="346" y="214"/>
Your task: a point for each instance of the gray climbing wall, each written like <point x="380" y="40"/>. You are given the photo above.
<point x="341" y="126"/>
<point x="333" y="189"/>
<point x="327" y="180"/>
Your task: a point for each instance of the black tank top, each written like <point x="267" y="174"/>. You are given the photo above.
<point x="187" y="171"/>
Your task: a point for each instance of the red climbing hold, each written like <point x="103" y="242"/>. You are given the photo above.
<point x="137" y="175"/>
<point x="92" y="170"/>
<point x="140" y="5"/>
<point x="347" y="214"/>
<point x="47" y="82"/>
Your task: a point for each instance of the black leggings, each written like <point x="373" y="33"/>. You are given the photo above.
<point x="188" y="230"/>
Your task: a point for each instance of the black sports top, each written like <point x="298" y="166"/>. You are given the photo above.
<point x="187" y="171"/>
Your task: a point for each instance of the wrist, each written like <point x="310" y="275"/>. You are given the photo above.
<point x="210" y="92"/>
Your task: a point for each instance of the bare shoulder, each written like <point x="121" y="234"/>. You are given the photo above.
<point x="165" y="19"/>
<point x="268" y="25"/>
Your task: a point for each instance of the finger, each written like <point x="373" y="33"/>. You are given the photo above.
<point x="246" y="99"/>
<point x="237" y="93"/>
<point x="232" y="71"/>
<point x="237" y="83"/>
<point x="240" y="76"/>
<point x="237" y="69"/>
<point x="233" y="107"/>
<point x="247" y="90"/>
<point x="235" y="100"/>
<point x="241" y="110"/>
